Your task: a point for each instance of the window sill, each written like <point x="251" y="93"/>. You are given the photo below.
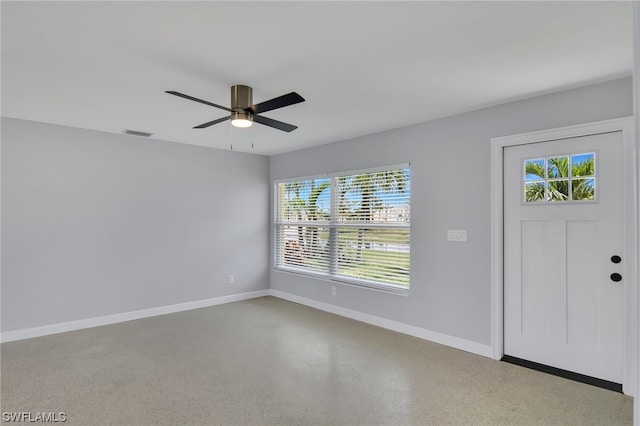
<point x="381" y="288"/>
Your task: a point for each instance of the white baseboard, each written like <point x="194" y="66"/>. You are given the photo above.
<point x="28" y="333"/>
<point x="421" y="333"/>
<point x="443" y="339"/>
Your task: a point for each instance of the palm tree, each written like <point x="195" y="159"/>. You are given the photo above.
<point x="295" y="206"/>
<point x="368" y="186"/>
<point x="535" y="190"/>
<point x="583" y="189"/>
<point x="314" y="213"/>
<point x="305" y="210"/>
<point x="558" y="167"/>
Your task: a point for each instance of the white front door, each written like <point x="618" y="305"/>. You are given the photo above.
<point x="562" y="232"/>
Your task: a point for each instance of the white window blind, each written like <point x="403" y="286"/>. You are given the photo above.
<point x="352" y="227"/>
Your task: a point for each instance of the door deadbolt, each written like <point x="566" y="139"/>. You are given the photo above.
<point x="616" y="259"/>
<point x="616" y="277"/>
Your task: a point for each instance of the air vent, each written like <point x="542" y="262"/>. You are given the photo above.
<point x="136" y="133"/>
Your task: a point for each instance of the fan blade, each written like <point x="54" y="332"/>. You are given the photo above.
<point x="274" y="123"/>
<point x="279" y="102"/>
<point x="211" y="123"/>
<point x="191" y="98"/>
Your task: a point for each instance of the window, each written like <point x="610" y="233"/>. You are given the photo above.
<point x="562" y="178"/>
<point x="352" y="227"/>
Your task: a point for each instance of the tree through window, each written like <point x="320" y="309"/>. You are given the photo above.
<point x="560" y="178"/>
<point x="351" y="227"/>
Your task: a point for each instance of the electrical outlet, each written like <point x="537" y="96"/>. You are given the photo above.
<point x="333" y="290"/>
<point x="457" y="235"/>
<point x="231" y="279"/>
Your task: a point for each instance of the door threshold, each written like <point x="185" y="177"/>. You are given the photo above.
<point x="612" y="386"/>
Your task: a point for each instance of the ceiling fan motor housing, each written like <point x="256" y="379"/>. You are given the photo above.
<point x="241" y="97"/>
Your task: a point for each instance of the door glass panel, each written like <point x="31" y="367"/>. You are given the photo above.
<point x="583" y="165"/>
<point x="557" y="167"/>
<point x="534" y="170"/>
<point x="534" y="192"/>
<point x="558" y="190"/>
<point x="560" y="178"/>
<point x="583" y="189"/>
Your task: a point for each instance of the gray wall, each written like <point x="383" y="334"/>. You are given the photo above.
<point x="450" y="166"/>
<point x="96" y="223"/>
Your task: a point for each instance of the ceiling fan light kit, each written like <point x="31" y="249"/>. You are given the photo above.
<point x="243" y="112"/>
<point x="241" y="119"/>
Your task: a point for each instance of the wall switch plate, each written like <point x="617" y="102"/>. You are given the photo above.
<point x="456" y="235"/>
<point x="231" y="279"/>
<point x="333" y="290"/>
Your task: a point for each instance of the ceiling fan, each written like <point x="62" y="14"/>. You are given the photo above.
<point x="244" y="112"/>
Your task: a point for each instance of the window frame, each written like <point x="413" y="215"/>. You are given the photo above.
<point x="333" y="225"/>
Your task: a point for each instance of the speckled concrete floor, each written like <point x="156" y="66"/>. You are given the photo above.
<point x="271" y="362"/>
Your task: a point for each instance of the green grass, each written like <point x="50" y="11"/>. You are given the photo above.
<point x="369" y="268"/>
<point x="364" y="256"/>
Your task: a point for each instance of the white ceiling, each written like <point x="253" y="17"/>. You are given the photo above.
<point x="363" y="67"/>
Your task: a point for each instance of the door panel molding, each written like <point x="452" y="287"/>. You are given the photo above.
<point x="630" y="227"/>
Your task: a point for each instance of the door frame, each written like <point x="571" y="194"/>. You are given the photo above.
<point x="629" y="231"/>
